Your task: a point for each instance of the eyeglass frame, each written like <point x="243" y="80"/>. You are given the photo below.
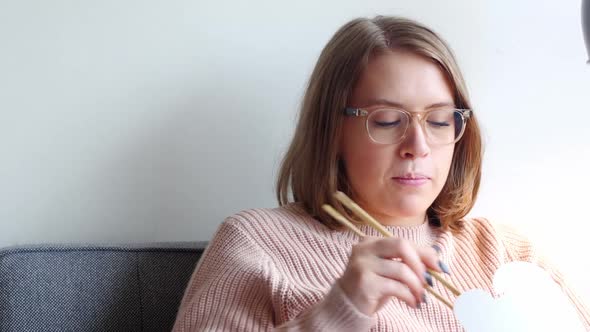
<point x="359" y="112"/>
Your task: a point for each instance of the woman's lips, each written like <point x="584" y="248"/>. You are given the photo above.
<point x="411" y="181"/>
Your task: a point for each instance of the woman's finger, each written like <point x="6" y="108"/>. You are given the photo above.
<point x="393" y="288"/>
<point x="404" y="250"/>
<point x="429" y="256"/>
<point x="399" y="271"/>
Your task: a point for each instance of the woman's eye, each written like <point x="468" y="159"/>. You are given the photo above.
<point x="438" y="123"/>
<point x="387" y="124"/>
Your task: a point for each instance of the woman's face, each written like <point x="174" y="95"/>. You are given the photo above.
<point x="397" y="183"/>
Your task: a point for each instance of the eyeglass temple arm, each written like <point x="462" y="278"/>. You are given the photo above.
<point x="349" y="111"/>
<point x="466" y="113"/>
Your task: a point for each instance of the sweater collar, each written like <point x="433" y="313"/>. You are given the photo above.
<point x="421" y="235"/>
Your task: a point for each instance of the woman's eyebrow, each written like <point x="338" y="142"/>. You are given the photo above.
<point x="386" y="102"/>
<point x="441" y="104"/>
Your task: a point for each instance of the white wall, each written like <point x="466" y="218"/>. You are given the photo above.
<point x="139" y="121"/>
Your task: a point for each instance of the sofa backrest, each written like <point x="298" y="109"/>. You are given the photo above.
<point x="94" y="288"/>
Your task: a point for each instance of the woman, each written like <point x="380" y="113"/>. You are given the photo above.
<point x="386" y="119"/>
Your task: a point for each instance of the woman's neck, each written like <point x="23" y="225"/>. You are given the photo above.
<point x="403" y="221"/>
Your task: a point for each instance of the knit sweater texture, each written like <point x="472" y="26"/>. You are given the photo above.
<point x="276" y="269"/>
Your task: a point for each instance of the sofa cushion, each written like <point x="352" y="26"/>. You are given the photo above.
<point x="94" y="288"/>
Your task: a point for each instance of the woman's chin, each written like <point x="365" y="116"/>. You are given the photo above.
<point x="408" y="208"/>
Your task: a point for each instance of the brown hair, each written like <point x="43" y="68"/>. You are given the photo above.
<point x="312" y="171"/>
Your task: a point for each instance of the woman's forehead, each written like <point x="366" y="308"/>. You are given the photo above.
<point x="402" y="79"/>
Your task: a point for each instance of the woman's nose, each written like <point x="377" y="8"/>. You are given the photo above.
<point x="415" y="143"/>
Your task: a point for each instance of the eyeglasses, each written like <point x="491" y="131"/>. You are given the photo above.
<point x="390" y="125"/>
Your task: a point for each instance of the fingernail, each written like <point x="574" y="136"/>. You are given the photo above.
<point x="418" y="305"/>
<point x="437" y="248"/>
<point x="444" y="267"/>
<point x="424" y="297"/>
<point x="428" y="278"/>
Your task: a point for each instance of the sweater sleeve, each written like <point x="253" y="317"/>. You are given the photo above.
<point x="234" y="288"/>
<point x="227" y="290"/>
<point x="334" y="313"/>
<point x="520" y="248"/>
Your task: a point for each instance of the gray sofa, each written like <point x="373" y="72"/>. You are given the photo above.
<point x="94" y="287"/>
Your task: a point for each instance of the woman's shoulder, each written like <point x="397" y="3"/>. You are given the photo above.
<point x="506" y="231"/>
<point x="501" y="235"/>
<point x="268" y="217"/>
<point x="270" y="224"/>
<point x="255" y="230"/>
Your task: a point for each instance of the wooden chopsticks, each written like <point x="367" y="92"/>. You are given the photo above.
<point x="368" y="219"/>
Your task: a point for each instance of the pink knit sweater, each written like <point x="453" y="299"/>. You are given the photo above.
<point x="276" y="268"/>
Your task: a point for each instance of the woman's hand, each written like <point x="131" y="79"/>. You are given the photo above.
<point x="380" y="268"/>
